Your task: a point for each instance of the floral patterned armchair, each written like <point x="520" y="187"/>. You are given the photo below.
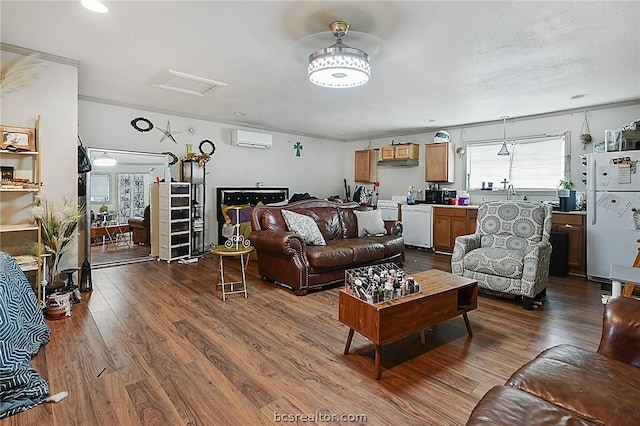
<point x="510" y="251"/>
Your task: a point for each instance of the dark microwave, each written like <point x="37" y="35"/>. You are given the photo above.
<point x="439" y="196"/>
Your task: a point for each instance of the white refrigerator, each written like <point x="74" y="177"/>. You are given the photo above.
<point x="613" y="211"/>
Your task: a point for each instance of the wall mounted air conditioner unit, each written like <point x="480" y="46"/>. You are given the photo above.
<point x="251" y="139"/>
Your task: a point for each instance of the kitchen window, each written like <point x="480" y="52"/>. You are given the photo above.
<point x="533" y="163"/>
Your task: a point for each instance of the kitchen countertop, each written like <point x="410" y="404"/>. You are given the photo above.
<point x="449" y="206"/>
<point x="573" y="212"/>
<point x="576" y="212"/>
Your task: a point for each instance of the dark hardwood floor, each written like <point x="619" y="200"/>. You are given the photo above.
<point x="106" y="254"/>
<point x="154" y="344"/>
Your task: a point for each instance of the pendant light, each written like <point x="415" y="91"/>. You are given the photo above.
<point x="105" y="160"/>
<point x="504" y="150"/>
<point x="339" y="66"/>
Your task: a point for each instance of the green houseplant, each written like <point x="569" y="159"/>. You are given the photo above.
<point x="566" y="184"/>
<point x="58" y="226"/>
<point x="565" y="187"/>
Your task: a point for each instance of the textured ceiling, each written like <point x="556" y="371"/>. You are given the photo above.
<point x="452" y="62"/>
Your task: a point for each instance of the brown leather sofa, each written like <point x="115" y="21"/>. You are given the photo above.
<point x="284" y="257"/>
<point x="139" y="226"/>
<point x="567" y="385"/>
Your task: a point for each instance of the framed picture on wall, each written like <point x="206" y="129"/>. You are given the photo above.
<point x="18" y="138"/>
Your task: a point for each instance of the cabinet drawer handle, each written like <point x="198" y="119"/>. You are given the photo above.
<point x="568" y="226"/>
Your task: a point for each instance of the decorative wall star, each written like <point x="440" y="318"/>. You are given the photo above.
<point x="167" y="133"/>
<point x="191" y="130"/>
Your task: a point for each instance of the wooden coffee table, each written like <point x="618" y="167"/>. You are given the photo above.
<point x="442" y="296"/>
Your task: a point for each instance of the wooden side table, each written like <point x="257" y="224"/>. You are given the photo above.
<point x="222" y="252"/>
<point x="623" y="274"/>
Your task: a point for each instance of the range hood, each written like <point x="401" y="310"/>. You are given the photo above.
<point x="398" y="163"/>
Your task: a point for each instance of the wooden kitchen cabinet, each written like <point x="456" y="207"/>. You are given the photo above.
<point x="473" y="217"/>
<point x="574" y="226"/>
<point x="408" y="151"/>
<point x="438" y="162"/>
<point x="450" y="222"/>
<point x="365" y="166"/>
<point x="388" y="152"/>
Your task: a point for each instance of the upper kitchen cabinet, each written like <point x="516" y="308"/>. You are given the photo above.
<point x="405" y="151"/>
<point x="365" y="166"/>
<point x="439" y="162"/>
<point x="388" y="152"/>
<point x="409" y="151"/>
<point x="405" y="155"/>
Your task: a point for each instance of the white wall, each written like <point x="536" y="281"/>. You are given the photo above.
<point x="53" y="95"/>
<point x="319" y="170"/>
<point x="395" y="180"/>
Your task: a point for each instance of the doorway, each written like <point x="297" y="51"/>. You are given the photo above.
<point x="117" y="203"/>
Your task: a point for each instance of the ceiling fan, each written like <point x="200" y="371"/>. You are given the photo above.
<point x="370" y="43"/>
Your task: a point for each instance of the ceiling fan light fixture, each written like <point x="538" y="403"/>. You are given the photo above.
<point x="95" y="6"/>
<point x="105" y="160"/>
<point x="339" y="65"/>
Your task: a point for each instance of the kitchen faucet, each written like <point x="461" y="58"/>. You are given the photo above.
<point x="511" y="191"/>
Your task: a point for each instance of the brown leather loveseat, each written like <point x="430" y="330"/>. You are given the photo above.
<point x="285" y="258"/>
<point x="567" y="385"/>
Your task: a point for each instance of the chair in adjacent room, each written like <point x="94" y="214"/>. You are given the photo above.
<point x="140" y="228"/>
<point x="510" y="251"/>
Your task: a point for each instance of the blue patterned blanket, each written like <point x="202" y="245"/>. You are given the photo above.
<point x="22" y="331"/>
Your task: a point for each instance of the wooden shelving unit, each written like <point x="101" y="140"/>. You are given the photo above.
<point x="18" y="229"/>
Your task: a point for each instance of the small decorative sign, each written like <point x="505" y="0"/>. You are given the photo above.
<point x="7" y="172"/>
<point x="18" y="138"/>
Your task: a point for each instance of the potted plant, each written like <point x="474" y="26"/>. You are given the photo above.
<point x="58" y="226"/>
<point x="565" y="187"/>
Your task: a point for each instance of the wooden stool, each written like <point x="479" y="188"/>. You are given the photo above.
<point x="240" y="251"/>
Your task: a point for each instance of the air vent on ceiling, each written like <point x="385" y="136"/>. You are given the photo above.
<point x="186" y="83"/>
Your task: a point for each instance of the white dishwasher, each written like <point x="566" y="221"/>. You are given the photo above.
<point x="389" y="208"/>
<point x="417" y="224"/>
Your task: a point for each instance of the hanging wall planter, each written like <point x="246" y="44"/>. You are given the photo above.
<point x="585" y="135"/>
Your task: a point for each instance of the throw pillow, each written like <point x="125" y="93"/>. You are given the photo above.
<point x="240" y="215"/>
<point x="305" y="226"/>
<point x="370" y="223"/>
<point x="225" y="211"/>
